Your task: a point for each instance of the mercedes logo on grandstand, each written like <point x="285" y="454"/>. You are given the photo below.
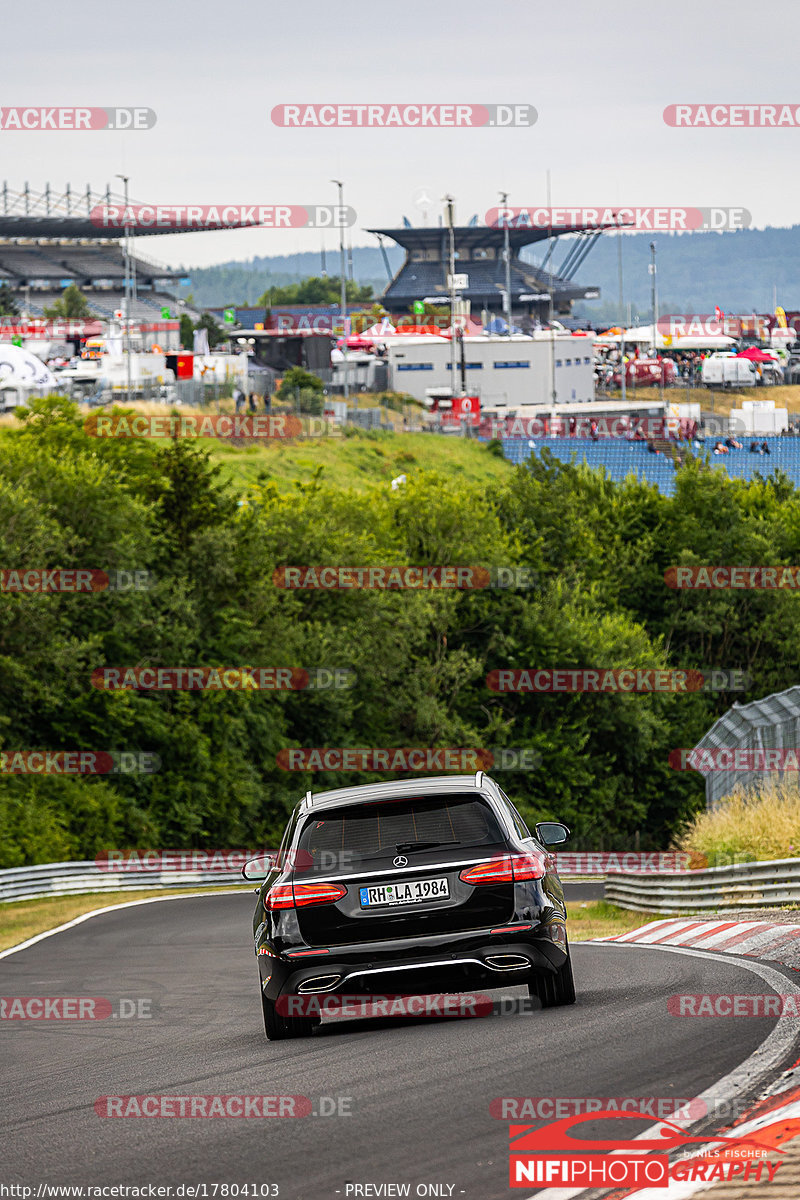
<point x="400" y="861"/>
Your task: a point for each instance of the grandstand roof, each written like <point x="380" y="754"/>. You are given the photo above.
<point x="68" y="214"/>
<point x="468" y="236"/>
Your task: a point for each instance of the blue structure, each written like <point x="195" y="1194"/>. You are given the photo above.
<point x="621" y="458"/>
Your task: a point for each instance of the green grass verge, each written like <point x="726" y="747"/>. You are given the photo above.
<point x="597" y="918"/>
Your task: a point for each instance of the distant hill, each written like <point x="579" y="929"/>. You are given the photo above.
<point x="741" y="272"/>
<point x="737" y="271"/>
<point x="241" y="283"/>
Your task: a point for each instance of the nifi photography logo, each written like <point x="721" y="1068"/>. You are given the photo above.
<point x="555" y="1156"/>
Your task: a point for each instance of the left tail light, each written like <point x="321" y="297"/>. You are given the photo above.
<point x="507" y="868"/>
<point x="302" y="895"/>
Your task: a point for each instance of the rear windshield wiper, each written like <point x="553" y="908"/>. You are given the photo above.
<point x="423" y="845"/>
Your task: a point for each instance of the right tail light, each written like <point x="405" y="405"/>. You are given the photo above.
<point x="506" y="868"/>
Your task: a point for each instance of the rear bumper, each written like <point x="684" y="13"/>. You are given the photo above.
<point x="457" y="964"/>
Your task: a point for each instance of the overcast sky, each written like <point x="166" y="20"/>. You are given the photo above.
<point x="598" y="75"/>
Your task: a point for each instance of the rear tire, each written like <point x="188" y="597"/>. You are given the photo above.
<point x="555" y="990"/>
<point x="278" y="1028"/>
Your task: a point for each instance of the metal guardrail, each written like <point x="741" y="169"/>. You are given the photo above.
<point x="751" y="885"/>
<point x="74" y="878"/>
<point x="742" y="885"/>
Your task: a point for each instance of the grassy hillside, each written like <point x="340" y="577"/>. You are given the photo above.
<point x="359" y="461"/>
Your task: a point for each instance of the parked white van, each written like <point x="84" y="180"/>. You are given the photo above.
<point x="726" y="370"/>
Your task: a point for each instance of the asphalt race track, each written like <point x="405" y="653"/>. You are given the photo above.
<point x="419" y="1090"/>
<point x="575" y="892"/>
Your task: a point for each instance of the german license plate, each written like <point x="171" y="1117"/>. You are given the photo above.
<point x="413" y="891"/>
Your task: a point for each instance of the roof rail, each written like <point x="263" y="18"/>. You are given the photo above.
<point x="308" y="800"/>
<point x="478" y="779"/>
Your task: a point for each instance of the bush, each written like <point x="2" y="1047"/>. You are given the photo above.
<point x="296" y="379"/>
<point x="749" y="826"/>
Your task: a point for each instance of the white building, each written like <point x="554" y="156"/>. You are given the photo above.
<point x="508" y="374"/>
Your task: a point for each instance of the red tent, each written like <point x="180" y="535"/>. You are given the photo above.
<point x="357" y="343"/>
<point x="756" y="355"/>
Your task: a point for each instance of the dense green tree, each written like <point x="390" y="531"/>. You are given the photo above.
<point x="316" y="290"/>
<point x="186" y="333"/>
<point x="596" y="553"/>
<point x="71" y="306"/>
<point x="8" y="302"/>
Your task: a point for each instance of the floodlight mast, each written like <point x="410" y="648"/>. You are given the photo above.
<point x="343" y="286"/>
<point x="507" y="258"/>
<point x="127" y="304"/>
<point x="449" y="202"/>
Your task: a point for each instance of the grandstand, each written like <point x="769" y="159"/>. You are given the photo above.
<point x="621" y="458"/>
<point x="479" y="253"/>
<point x="49" y="241"/>
<point x="38" y="272"/>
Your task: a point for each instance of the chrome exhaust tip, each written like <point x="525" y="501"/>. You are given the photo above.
<point x="507" y="962"/>
<point x="318" y="983"/>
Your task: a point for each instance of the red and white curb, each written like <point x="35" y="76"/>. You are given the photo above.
<point x="764" y="940"/>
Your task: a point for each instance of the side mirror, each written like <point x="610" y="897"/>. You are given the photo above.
<point x="552" y="833"/>
<point x="257" y="869"/>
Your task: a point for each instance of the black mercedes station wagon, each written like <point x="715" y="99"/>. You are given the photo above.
<point x="408" y="888"/>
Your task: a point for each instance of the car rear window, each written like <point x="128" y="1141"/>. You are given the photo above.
<point x="345" y="836"/>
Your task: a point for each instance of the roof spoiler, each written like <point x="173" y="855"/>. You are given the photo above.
<point x="478" y="779"/>
<point x="307" y="801"/>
